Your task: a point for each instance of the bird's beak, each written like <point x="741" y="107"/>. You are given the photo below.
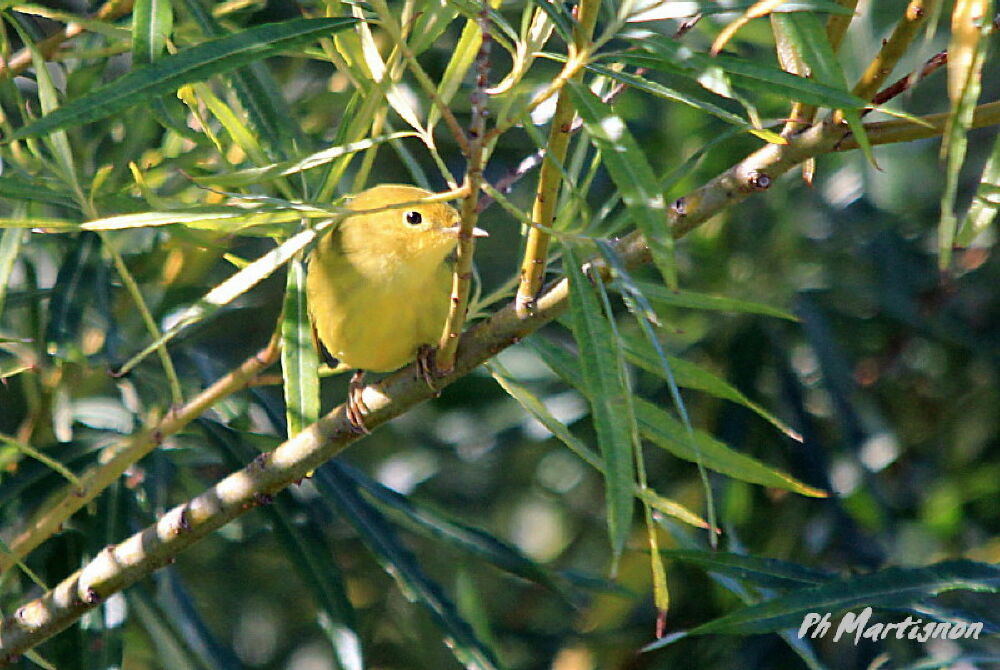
<point x="455" y="230"/>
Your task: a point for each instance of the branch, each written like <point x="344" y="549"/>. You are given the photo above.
<point x="536" y="249"/>
<point x="462" y="276"/>
<point x="119" y="566"/>
<point x="893" y="48"/>
<point x="21" y="61"/>
<point x="127" y="451"/>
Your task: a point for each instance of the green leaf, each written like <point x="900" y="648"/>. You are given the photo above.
<point x="763" y="572"/>
<point x="420" y="518"/>
<point x="658" y="52"/>
<point x="984" y="206"/>
<point x="667" y="432"/>
<point x="433" y="19"/>
<point x="632" y="174"/>
<point x="152" y="23"/>
<point x="531" y="403"/>
<point x="690" y="375"/>
<point x="10" y="247"/>
<point x="659" y="11"/>
<point x="458" y="66"/>
<point x="299" y="358"/>
<point x="399" y="561"/>
<point x="561" y="19"/>
<point x="257" y="91"/>
<point x="307" y="550"/>
<point x="607" y="391"/>
<point x="662" y="296"/>
<point x="968" y="47"/>
<point x="258" y="175"/>
<point x="892" y="587"/>
<point x="16" y="188"/>
<point x="806" y="34"/>
<point x="190" y="65"/>
<point x="661" y="91"/>
<point x="218" y="218"/>
<point x="229" y="290"/>
<point x="72" y="292"/>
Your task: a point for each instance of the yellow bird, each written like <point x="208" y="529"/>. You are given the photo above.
<point x="379" y="283"/>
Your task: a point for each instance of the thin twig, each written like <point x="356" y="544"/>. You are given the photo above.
<point x="531" y="161"/>
<point x="902" y="85"/>
<point x="129" y="450"/>
<point x="894" y="48"/>
<point x="21" y="61"/>
<point x="462" y="277"/>
<point x="536" y="249"/>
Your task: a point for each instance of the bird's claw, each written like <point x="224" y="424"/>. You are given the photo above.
<point x="425" y="365"/>
<point x="356" y="408"/>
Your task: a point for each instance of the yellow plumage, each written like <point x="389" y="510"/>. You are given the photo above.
<point x="378" y="284"/>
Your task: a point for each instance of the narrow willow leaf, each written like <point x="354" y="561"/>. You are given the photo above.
<point x="10" y="247"/>
<point x="646" y="317"/>
<point x="667" y="432"/>
<point x="388" y="79"/>
<point x="422" y="519"/>
<point x="51" y="463"/>
<point x="229" y="290"/>
<point x="658" y="10"/>
<point x="221" y="219"/>
<point x="661" y="91"/>
<point x="789" y="86"/>
<point x="299" y="359"/>
<point x="265" y="173"/>
<point x="458" y="66"/>
<point x="969" y="23"/>
<point x="763" y="572"/>
<point x="632" y="174"/>
<point x="662" y="296"/>
<point x="72" y="293"/>
<point x="48" y="98"/>
<point x="757" y="10"/>
<point x="606" y="390"/>
<point x="230" y="119"/>
<point x="434" y="18"/>
<point x="536" y="408"/>
<point x="190" y="65"/>
<point x="690" y="375"/>
<point x="669" y="54"/>
<point x="307" y="549"/>
<point x="891" y="588"/>
<point x="671" y="508"/>
<point x="380" y="537"/>
<point x="806" y="34"/>
<point x="16" y="188"/>
<point x="152" y="23"/>
<point x="984" y="206"/>
<point x="746" y="595"/>
<point x="535" y="33"/>
<point x="658" y="568"/>
<point x="258" y="92"/>
<point x="651" y="357"/>
<point x="561" y="19"/>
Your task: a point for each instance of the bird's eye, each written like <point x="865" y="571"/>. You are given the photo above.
<point x="414" y="218"/>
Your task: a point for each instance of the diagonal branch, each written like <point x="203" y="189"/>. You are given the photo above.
<point x="119" y="566"/>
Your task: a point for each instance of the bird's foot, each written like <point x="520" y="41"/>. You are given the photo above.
<point x="425" y="365"/>
<point x="356" y="408"/>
